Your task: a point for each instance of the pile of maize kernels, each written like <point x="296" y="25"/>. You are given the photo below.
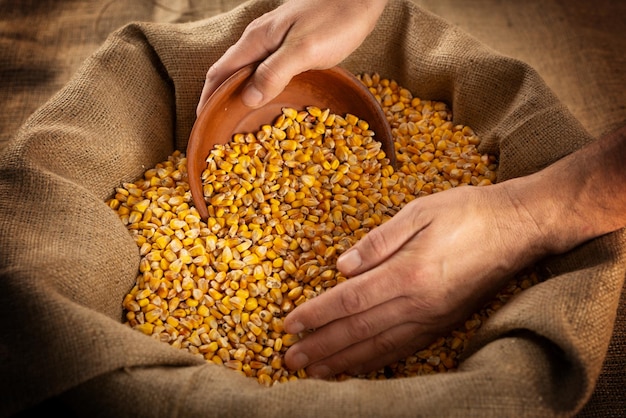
<point x="284" y="202"/>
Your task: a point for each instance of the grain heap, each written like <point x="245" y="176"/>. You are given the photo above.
<point x="284" y="203"/>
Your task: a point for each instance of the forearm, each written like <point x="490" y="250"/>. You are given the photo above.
<point x="579" y="197"/>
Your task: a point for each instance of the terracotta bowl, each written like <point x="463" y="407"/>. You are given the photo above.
<point x="224" y="115"/>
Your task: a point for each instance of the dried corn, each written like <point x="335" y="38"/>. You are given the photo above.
<point x="284" y="203"/>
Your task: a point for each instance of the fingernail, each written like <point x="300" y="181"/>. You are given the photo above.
<point x="319" y="372"/>
<point x="350" y="260"/>
<point x="294" y="328"/>
<point x="251" y="96"/>
<point x="299" y="361"/>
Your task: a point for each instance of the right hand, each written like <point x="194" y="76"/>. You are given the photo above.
<point x="414" y="278"/>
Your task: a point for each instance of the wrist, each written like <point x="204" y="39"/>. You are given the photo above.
<point x="558" y="205"/>
<point x="543" y="211"/>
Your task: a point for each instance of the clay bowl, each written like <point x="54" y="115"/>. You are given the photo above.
<point x="224" y="114"/>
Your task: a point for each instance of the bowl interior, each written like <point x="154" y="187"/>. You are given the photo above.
<point x="224" y="114"/>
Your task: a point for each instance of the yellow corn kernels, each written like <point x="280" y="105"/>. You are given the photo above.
<point x="284" y="203"/>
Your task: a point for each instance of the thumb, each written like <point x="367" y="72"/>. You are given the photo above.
<point x="381" y="242"/>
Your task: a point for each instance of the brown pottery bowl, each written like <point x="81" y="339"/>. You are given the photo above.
<point x="224" y="114"/>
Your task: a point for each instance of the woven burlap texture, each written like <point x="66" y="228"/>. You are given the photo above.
<point x="67" y="261"/>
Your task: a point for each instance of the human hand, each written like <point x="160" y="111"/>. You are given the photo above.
<point x="413" y="278"/>
<point x="297" y="36"/>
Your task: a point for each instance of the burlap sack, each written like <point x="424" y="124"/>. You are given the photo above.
<point x="67" y="261"/>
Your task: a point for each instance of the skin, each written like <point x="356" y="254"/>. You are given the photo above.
<point x="434" y="263"/>
<point x="288" y="41"/>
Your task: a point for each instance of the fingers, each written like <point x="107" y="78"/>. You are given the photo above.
<point x="340" y="334"/>
<point x="272" y="76"/>
<point x="361" y="359"/>
<point x="367" y="355"/>
<point x="351" y="297"/>
<point x="369" y="320"/>
<point x="260" y="39"/>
